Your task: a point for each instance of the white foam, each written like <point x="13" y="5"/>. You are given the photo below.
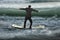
<point x="34" y="5"/>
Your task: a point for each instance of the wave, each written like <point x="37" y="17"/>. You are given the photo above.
<point x="14" y="1"/>
<point x="44" y="12"/>
<point x="51" y="32"/>
<point x="38" y="1"/>
<point x="26" y="1"/>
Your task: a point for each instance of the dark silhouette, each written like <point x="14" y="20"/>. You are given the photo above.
<point x="28" y="15"/>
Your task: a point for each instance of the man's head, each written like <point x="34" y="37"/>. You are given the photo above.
<point x="29" y="6"/>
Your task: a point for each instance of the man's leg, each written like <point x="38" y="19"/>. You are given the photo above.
<point x="25" y="23"/>
<point x="30" y="23"/>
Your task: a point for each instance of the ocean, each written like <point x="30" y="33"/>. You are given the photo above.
<point x="50" y="32"/>
<point x="48" y="16"/>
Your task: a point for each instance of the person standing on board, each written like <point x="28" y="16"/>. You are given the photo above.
<point x="28" y="15"/>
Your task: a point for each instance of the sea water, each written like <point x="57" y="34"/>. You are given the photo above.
<point x="11" y="8"/>
<point x="52" y="28"/>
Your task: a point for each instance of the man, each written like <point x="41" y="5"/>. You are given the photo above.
<point x="28" y="15"/>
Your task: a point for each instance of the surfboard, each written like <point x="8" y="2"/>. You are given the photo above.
<point x="21" y="27"/>
<point x="15" y="26"/>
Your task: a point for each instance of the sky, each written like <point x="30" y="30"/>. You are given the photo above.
<point x="25" y="3"/>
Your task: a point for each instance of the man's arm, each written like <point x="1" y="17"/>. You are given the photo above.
<point x="22" y="8"/>
<point x="34" y="10"/>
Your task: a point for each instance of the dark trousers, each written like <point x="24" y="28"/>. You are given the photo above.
<point x="26" y="21"/>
